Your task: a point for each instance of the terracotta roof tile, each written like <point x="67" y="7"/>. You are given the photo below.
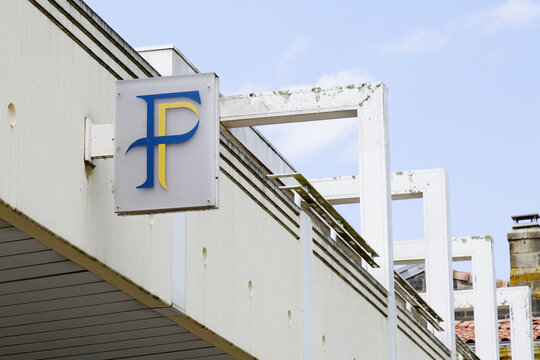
<point x="465" y="329"/>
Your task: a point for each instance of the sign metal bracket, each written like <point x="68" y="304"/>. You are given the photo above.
<point x="98" y="141"/>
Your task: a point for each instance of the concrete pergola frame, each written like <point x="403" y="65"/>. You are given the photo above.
<point x="431" y="185"/>
<point x="518" y="299"/>
<point x="369" y="104"/>
<point x="478" y="249"/>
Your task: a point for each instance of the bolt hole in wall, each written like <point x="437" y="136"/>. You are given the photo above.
<point x="324" y="343"/>
<point x="250" y="289"/>
<point x="289" y="317"/>
<point x="205" y="256"/>
<point x="12" y="114"/>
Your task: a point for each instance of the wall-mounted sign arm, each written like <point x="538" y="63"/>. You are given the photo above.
<point x="98" y="141"/>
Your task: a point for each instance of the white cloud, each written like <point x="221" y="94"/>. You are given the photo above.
<point x="298" y="141"/>
<point x="296" y="48"/>
<point x="418" y="42"/>
<point x="345" y="77"/>
<point x="512" y="13"/>
<point x="349" y="151"/>
<point x="342" y="77"/>
<point x="249" y="88"/>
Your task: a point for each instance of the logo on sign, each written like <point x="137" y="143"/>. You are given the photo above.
<point x="161" y="140"/>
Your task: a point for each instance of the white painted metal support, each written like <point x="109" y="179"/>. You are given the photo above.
<point x="436" y="251"/>
<point x="98" y="141"/>
<point x="368" y="102"/>
<point x="178" y="261"/>
<point x="518" y="299"/>
<point x="306" y="242"/>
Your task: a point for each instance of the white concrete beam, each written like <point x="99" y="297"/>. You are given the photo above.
<point x="518" y="299"/>
<point x="376" y="205"/>
<point x="433" y="185"/>
<point x="296" y="105"/>
<point x="344" y="189"/>
<point x="409" y="252"/>
<point x="480" y="250"/>
<point x="339" y="190"/>
<point x="374" y="181"/>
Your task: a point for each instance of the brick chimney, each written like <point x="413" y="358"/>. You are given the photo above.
<point x="524" y="241"/>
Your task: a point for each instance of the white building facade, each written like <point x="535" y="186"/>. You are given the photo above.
<point x="271" y="274"/>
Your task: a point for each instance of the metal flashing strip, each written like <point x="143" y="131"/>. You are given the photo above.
<point x="115" y="39"/>
<point x="408" y="293"/>
<point x="463" y="349"/>
<point x="362" y="285"/>
<point x="317" y="202"/>
<point x="90" y="36"/>
<point x="112" y="50"/>
<point x="420" y="334"/>
<point x="75" y="39"/>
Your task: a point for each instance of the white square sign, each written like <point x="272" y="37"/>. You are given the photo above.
<point x="166" y="144"/>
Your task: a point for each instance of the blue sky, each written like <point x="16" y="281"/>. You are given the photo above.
<point x="463" y="80"/>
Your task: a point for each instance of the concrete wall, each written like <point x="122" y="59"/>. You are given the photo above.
<point x="349" y="306"/>
<point x="54" y="84"/>
<point x="252" y="238"/>
<point x="415" y="342"/>
<point x="247" y="284"/>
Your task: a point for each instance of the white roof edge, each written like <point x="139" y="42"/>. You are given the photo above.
<point x="167" y="47"/>
<point x="154" y="47"/>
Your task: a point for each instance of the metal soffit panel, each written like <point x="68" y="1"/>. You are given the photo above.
<point x="52" y="308"/>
